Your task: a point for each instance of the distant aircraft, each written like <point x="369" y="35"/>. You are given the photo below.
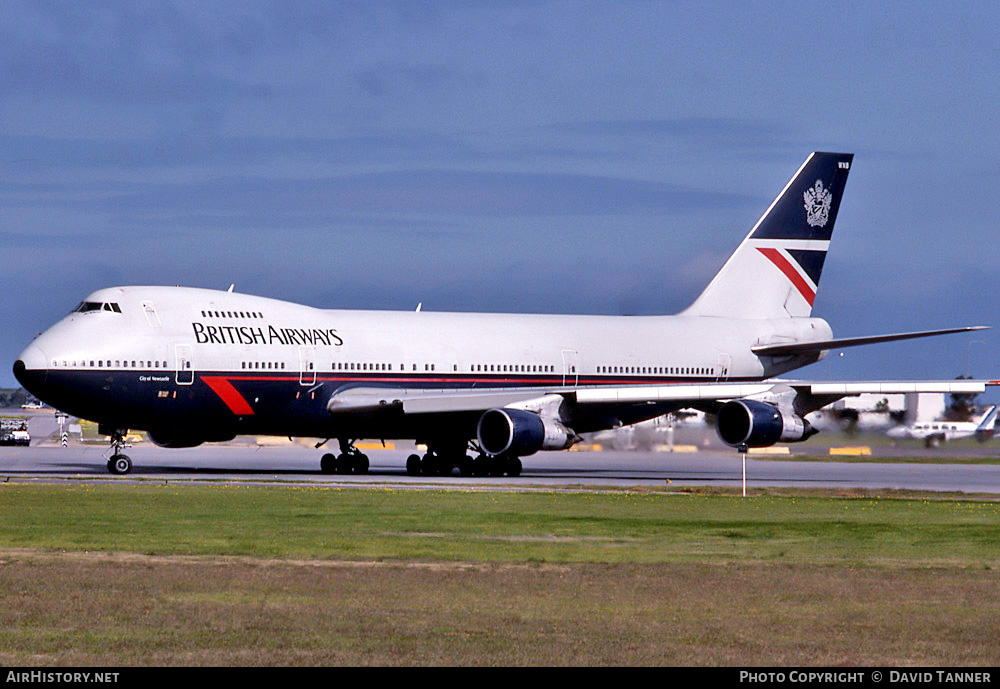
<point x="935" y="432"/>
<point x="195" y="365"/>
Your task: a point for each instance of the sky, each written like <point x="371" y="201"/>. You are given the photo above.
<point x="516" y="156"/>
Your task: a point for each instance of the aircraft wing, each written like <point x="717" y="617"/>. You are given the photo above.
<point x="431" y="401"/>
<point x="805" y="396"/>
<point x="436" y="401"/>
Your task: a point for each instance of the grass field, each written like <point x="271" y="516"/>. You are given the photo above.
<point x="127" y="574"/>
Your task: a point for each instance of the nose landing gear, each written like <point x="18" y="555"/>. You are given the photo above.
<point x="118" y="463"/>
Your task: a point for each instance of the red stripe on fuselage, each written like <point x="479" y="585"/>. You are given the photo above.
<point x="775" y="257"/>
<point x="230" y="395"/>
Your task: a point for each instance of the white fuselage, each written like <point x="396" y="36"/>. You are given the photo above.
<point x="941" y="430"/>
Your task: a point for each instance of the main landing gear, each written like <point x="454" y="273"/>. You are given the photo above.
<point x="442" y="461"/>
<point x="118" y="463"/>
<point x="350" y="460"/>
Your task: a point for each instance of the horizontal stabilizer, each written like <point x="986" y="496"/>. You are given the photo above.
<point x="792" y="349"/>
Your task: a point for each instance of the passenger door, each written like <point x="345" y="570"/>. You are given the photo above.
<point x="185" y="367"/>
<point x="571" y="373"/>
<point x="307" y="366"/>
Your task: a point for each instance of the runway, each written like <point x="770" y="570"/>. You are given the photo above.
<point x="295" y="464"/>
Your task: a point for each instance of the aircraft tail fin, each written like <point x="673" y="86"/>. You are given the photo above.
<point x="775" y="272"/>
<point x="988" y="419"/>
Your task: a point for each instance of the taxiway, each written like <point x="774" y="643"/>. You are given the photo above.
<point x="297" y="464"/>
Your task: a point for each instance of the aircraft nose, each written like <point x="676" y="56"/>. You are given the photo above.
<point x="30" y="369"/>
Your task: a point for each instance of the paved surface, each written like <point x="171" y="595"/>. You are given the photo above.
<point x="297" y="464"/>
<point x="713" y="465"/>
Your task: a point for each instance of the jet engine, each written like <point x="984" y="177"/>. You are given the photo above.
<point x="759" y="424"/>
<point x="520" y="433"/>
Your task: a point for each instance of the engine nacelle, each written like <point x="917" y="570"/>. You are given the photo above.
<point x="165" y="437"/>
<point x="759" y="424"/>
<point x="176" y="438"/>
<point x="172" y="438"/>
<point x="520" y="433"/>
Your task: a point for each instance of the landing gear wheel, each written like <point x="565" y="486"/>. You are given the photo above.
<point x="413" y="465"/>
<point x="513" y="467"/>
<point x="119" y="464"/>
<point x="328" y="463"/>
<point x="429" y="465"/>
<point x="467" y="466"/>
<point x="480" y="466"/>
<point x="497" y="467"/>
<point x="360" y="464"/>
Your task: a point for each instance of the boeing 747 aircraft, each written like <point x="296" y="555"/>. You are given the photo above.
<point x="196" y="365"/>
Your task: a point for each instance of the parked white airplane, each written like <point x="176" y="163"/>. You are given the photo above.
<point x="195" y="365"/>
<point x="935" y="432"/>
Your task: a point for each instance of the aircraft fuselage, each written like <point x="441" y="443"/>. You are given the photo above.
<point x="214" y="364"/>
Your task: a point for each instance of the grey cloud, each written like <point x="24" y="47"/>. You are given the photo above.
<point x="463" y="193"/>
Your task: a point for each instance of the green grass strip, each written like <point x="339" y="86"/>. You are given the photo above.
<point x="446" y="525"/>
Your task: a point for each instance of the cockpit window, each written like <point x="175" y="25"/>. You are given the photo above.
<point x="85" y="306"/>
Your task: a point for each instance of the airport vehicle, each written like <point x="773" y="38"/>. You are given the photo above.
<point x="14" y="431"/>
<point x="195" y="365"/>
<point x="933" y="433"/>
<point x="20" y="438"/>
